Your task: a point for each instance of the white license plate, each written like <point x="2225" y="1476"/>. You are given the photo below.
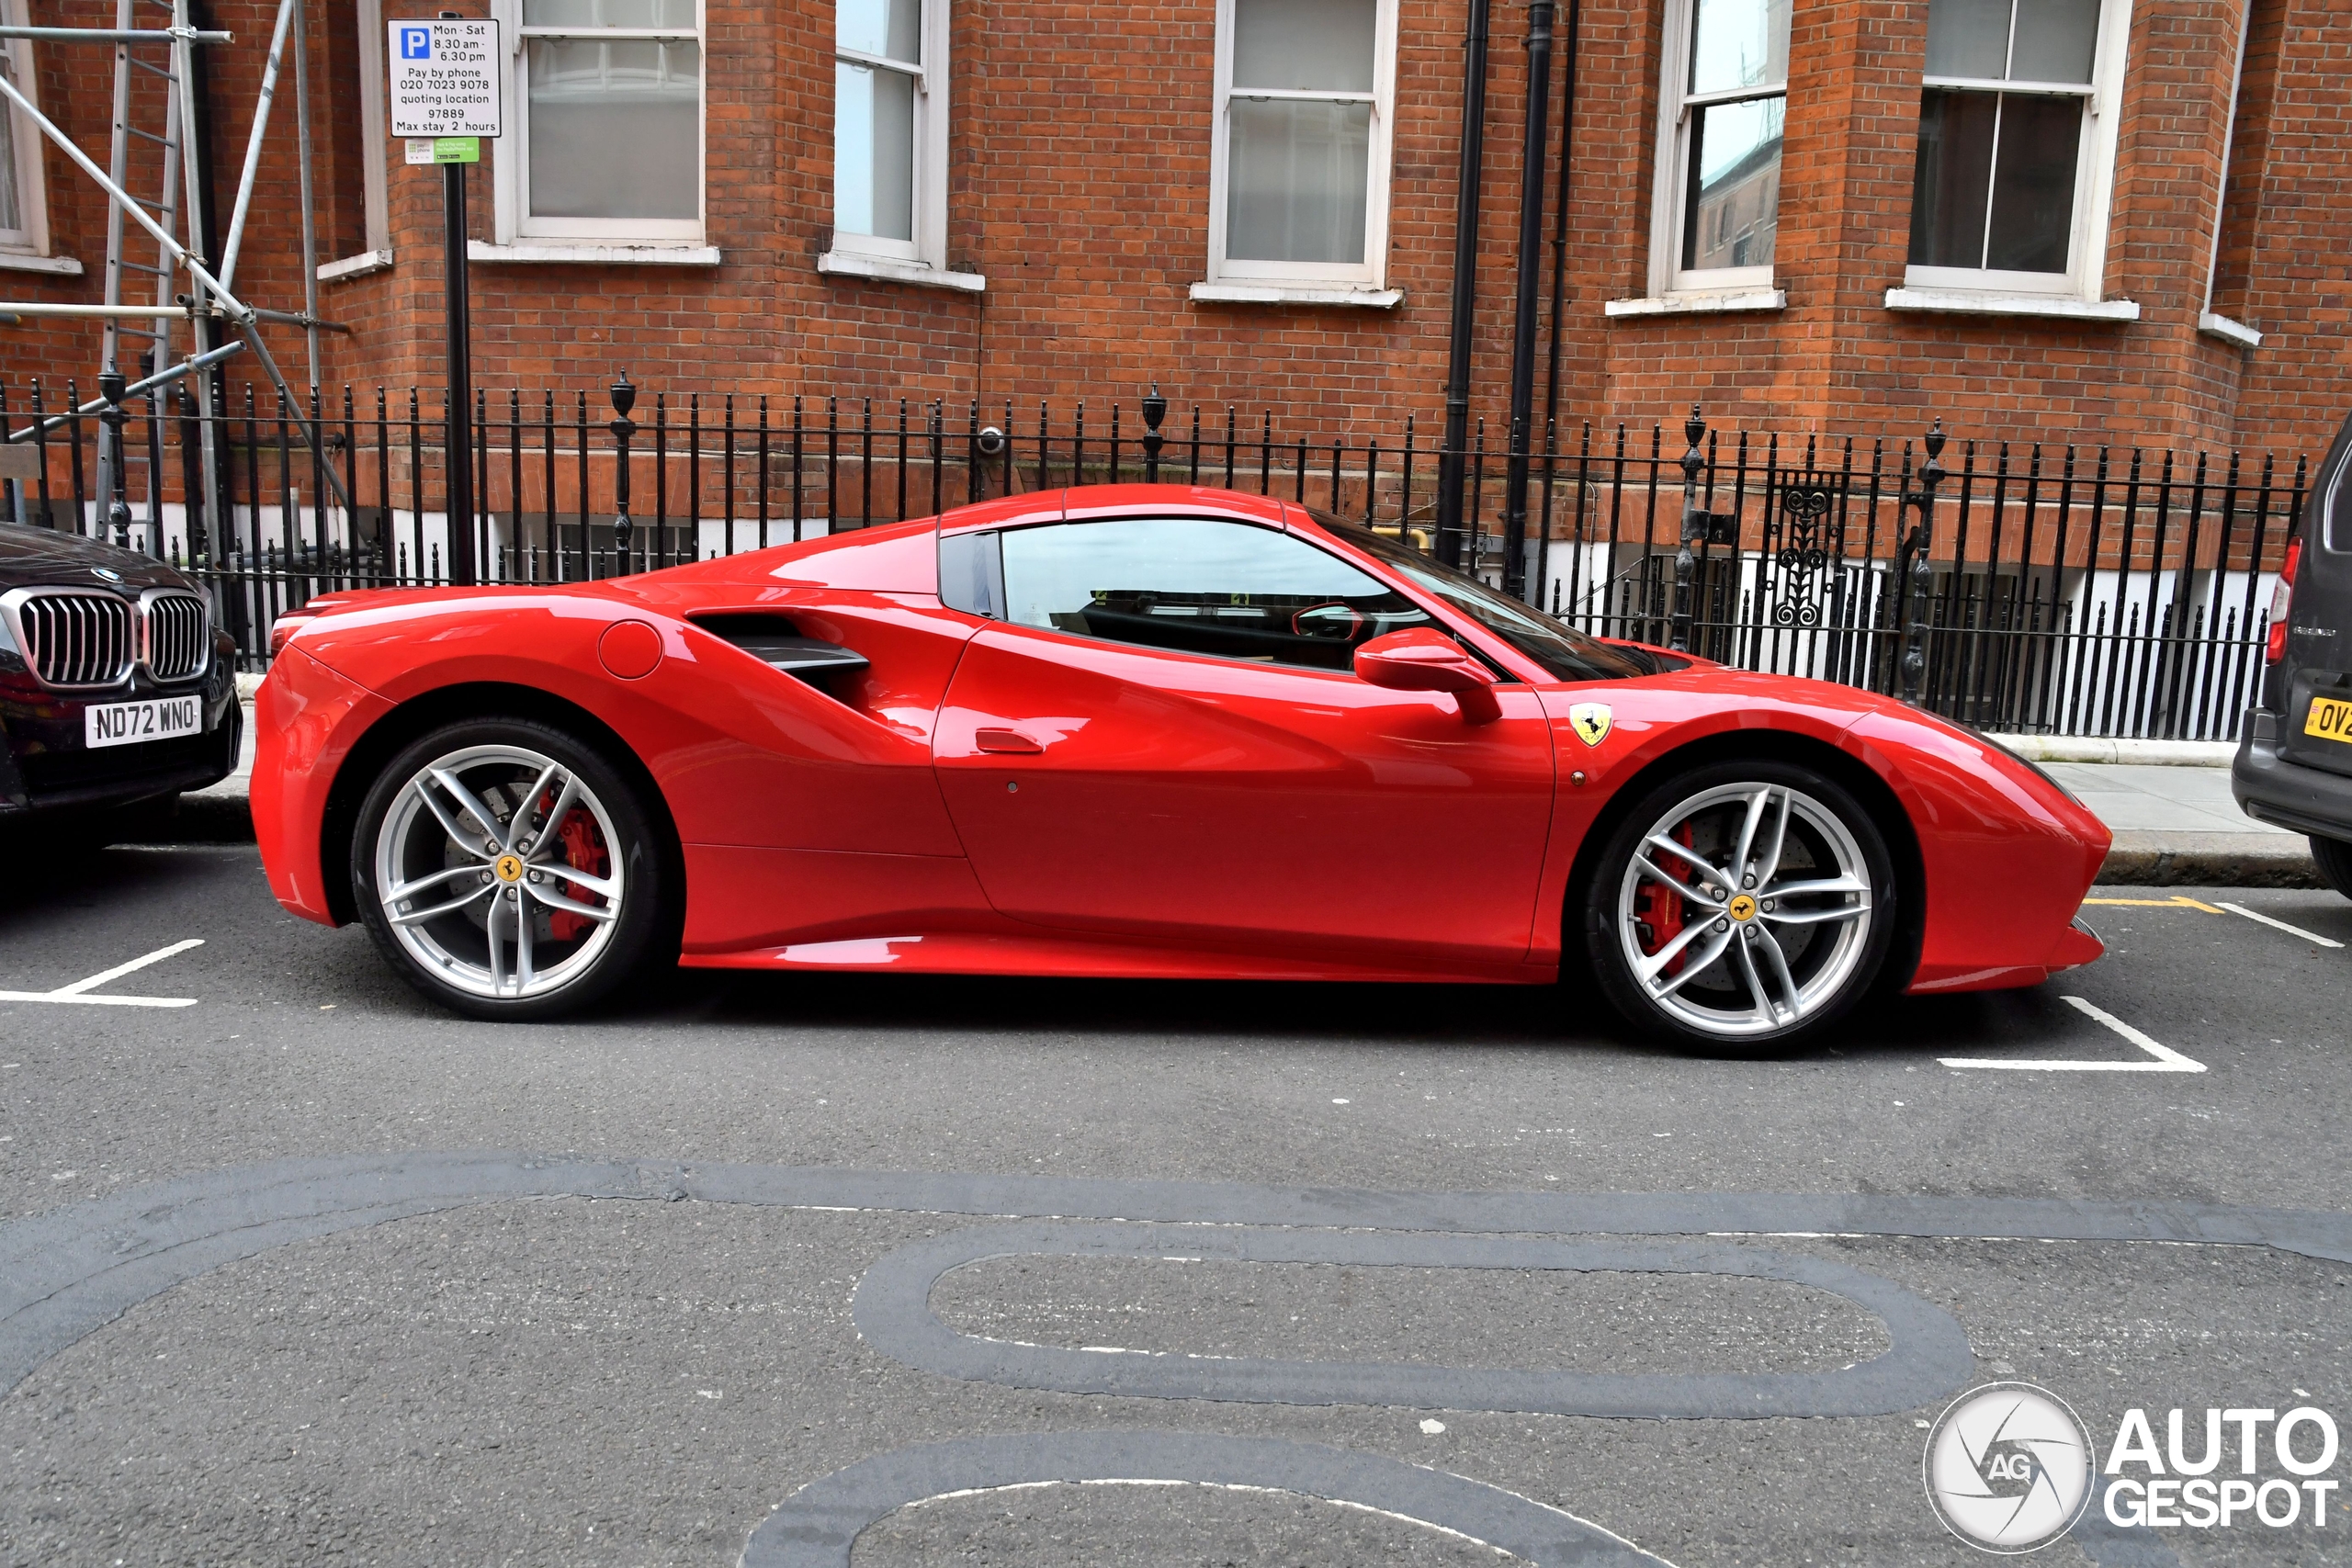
<point x="127" y="724"/>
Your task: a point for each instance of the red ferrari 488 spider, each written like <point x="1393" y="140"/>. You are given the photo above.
<point x="1132" y="730"/>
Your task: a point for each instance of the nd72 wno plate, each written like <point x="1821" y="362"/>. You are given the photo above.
<point x="128" y="724"/>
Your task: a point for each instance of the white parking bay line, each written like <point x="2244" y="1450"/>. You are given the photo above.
<point x="2282" y="926"/>
<point x="2167" y="1059"/>
<point x="79" y="991"/>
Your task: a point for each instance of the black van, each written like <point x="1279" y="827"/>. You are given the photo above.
<point x="2294" y="763"/>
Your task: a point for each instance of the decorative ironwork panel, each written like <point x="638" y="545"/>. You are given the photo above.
<point x="1804" y="528"/>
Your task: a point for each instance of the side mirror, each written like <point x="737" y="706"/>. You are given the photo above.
<point x="1420" y="659"/>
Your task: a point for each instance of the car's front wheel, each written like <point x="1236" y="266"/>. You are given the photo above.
<point x="509" y="870"/>
<point x="1741" y="904"/>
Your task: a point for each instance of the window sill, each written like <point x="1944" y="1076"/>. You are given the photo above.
<point x="1294" y="294"/>
<point x="359" y="266"/>
<point x="59" y="266"/>
<point x="1967" y="302"/>
<point x="528" y="252"/>
<point x="889" y="269"/>
<point x="2228" y="331"/>
<point x="1710" y="303"/>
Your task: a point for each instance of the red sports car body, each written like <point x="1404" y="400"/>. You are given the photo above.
<point x="944" y="746"/>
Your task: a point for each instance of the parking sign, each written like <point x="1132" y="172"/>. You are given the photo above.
<point x="445" y="78"/>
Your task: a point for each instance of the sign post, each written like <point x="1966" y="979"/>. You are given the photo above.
<point x="446" y="80"/>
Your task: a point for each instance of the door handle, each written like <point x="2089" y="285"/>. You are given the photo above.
<point x="1011" y="740"/>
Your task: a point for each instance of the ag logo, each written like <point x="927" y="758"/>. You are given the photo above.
<point x="2009" y="1468"/>
<point x="1591" y="721"/>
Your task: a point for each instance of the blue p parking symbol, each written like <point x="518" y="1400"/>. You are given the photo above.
<point x="416" y="43"/>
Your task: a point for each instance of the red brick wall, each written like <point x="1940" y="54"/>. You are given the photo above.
<point x="1080" y="154"/>
<point x="2286" y="266"/>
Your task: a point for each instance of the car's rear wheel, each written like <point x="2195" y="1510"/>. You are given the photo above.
<point x="2333" y="858"/>
<point x="1740" y="906"/>
<point x="509" y="870"/>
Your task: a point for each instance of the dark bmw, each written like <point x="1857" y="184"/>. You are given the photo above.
<point x="114" y="689"/>
<point x="2294" y="764"/>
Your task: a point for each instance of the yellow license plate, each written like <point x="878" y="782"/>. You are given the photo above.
<point x="2330" y="719"/>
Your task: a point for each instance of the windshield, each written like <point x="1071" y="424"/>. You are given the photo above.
<point x="1569" y="654"/>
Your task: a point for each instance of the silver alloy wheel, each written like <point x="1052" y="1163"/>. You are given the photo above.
<point x="1745" y="911"/>
<point x="475" y="875"/>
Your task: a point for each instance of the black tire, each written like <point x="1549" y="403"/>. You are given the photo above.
<point x="1810" y="956"/>
<point x="2333" y="858"/>
<point x="609" y="941"/>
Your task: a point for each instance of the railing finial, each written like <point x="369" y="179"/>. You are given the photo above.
<point x="1919" y="572"/>
<point x="111" y="387"/>
<point x="624" y="398"/>
<point x="1155" y="409"/>
<point x="1699" y="525"/>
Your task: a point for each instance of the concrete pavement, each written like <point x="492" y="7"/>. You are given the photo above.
<point x="295" y="1269"/>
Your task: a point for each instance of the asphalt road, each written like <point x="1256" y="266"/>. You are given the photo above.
<point x="615" y="1292"/>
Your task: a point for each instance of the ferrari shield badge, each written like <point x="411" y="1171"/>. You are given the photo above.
<point x="1591" y="721"/>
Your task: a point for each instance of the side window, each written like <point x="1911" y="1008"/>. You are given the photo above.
<point x="1726" y="92"/>
<point x="2010" y="186"/>
<point x="1192" y="585"/>
<point x="24" y="216"/>
<point x="604" y="143"/>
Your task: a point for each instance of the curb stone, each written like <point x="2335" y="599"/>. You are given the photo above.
<point x="2141" y="858"/>
<point x="2109" y="749"/>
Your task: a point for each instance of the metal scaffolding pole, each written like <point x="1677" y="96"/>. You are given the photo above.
<point x="211" y="296"/>
<point x="253" y="138"/>
<point x="310" y="220"/>
<point x="200" y="328"/>
<point x="243" y="317"/>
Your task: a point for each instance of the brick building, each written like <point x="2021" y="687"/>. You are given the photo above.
<point x="2101" y="219"/>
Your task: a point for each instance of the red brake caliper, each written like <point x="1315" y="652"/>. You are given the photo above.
<point x="1659" y="910"/>
<point x="583" y="849"/>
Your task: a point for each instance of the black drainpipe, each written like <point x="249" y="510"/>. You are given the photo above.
<point x="1531" y="269"/>
<point x="1452" y="455"/>
<point x="1559" y="289"/>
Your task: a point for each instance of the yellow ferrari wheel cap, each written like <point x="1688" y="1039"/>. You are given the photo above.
<point x="508" y="868"/>
<point x="1591" y="722"/>
<point x="1742" y="907"/>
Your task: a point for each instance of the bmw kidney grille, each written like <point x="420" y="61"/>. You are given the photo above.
<point x="74" y="640"/>
<point x="177" y="630"/>
<point x="78" y="639"/>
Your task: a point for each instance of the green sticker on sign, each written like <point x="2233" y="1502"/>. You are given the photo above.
<point x="445" y="149"/>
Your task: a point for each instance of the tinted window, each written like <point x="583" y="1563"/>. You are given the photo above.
<point x="1198" y="586"/>
<point x="1567" y="653"/>
<point x="971" y="576"/>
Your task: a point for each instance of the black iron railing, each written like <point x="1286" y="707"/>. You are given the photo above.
<point x="2060" y="588"/>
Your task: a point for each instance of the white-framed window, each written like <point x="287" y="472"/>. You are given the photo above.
<point x="1715" y="211"/>
<point x="2017" y="145"/>
<point x="24" y="205"/>
<point x="1298" y="171"/>
<point x="604" y="123"/>
<point x="891" y="72"/>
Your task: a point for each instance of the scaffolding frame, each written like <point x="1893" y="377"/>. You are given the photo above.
<point x="210" y="298"/>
